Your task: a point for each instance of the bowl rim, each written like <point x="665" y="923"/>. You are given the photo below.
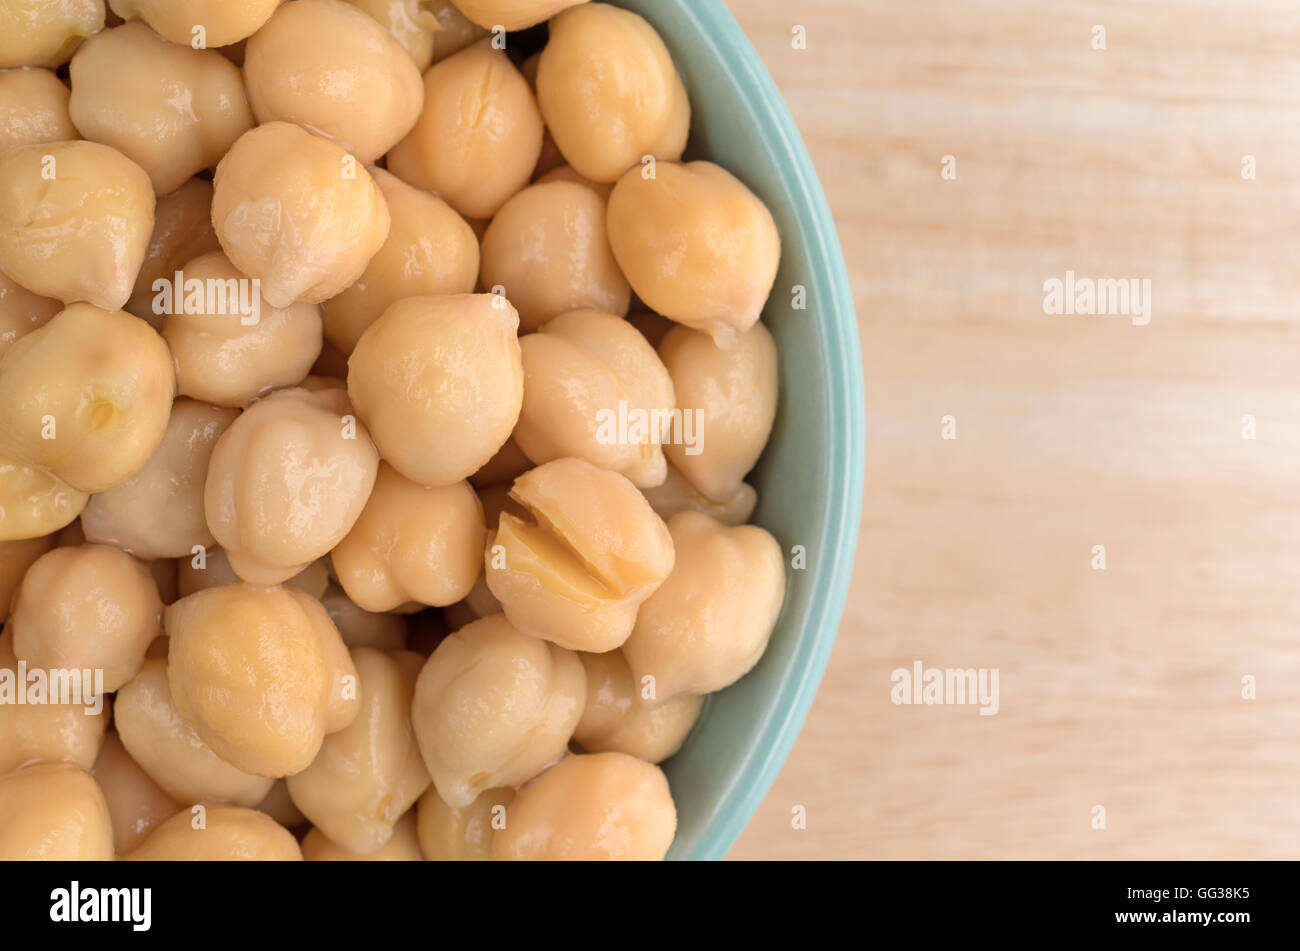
<point x="846" y="443"/>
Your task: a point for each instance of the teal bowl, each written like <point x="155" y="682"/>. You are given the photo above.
<point x="809" y="480"/>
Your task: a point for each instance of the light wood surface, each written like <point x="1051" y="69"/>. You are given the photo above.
<point x="1119" y="687"/>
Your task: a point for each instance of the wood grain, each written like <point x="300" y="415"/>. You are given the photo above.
<point x="1119" y="687"/>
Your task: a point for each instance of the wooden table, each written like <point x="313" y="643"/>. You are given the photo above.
<point x="1121" y="687"/>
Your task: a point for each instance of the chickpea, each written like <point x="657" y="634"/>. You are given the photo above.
<point x="261" y="674"/>
<point x="217" y="833"/>
<point x="169" y="750"/>
<point x="34" y="503"/>
<point x="215" y="22"/>
<point x="15" y="558"/>
<point x="171" y="109"/>
<point x="158" y="512"/>
<point x="278" y="804"/>
<point x="33" y="108"/>
<point x="709" y="623"/>
<point x="449" y="834"/>
<point x="403" y="846"/>
<point x="430" y="250"/>
<point x="736" y="391"/>
<point x="136" y="804"/>
<point x="411" y="23"/>
<point x="478" y="136"/>
<point x="511" y="14"/>
<point x="507" y="465"/>
<point x="454" y="30"/>
<point x="244" y="349"/>
<point x="360" y="628"/>
<point x="369" y="773"/>
<point x="287" y="481"/>
<point x="296" y="212"/>
<point x="75" y="219"/>
<point x="547" y="247"/>
<point x="46" y="32"/>
<point x="412" y="543"/>
<point x="609" y="92"/>
<point x="617" y="721"/>
<point x="86" y="397"/>
<point x="600" y="806"/>
<point x="182" y="231"/>
<point x="211" y="569"/>
<point x="677" y="495"/>
<point x="596" y="552"/>
<point x="566" y="173"/>
<point x="91" y="607"/>
<point x="53" y="812"/>
<point x="21" y="311"/>
<point x="351" y="82"/>
<point x="494" y="707"/>
<point x="439" y="381"/>
<point x="47" y="732"/>
<point x="664" y="231"/>
<point x="581" y="371"/>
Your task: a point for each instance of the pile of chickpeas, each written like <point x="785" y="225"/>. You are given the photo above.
<point x="362" y="576"/>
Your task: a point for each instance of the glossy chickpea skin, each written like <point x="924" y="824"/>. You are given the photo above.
<point x="580" y="370"/>
<point x="227" y="833"/>
<point x="619" y="717"/>
<point x="136" y="804"/>
<point x="210" y="568"/>
<point x="75" y="220"/>
<point x="664" y="230"/>
<point x="594" y="552"/>
<point x="224" y="22"/>
<point x="402" y="846"/>
<point x="709" y="623"/>
<point x="34" y="503"/>
<point x="412" y="543"/>
<point x="182" y="231"/>
<point x="260" y="673"/>
<point x="439" y="381"/>
<point x="600" y="806"/>
<point x="90" y="607"/>
<point x="367" y="775"/>
<point x="676" y="494"/>
<point x="511" y="14"/>
<point x="21" y="311"/>
<point x="430" y="250"/>
<point x="231" y="357"/>
<point x="46" y="32"/>
<point x="296" y="212"/>
<point x="411" y="22"/>
<point x="478" y="136"/>
<point x="609" y="91"/>
<point x="158" y="512"/>
<point x="735" y="392"/>
<point x="53" y="812"/>
<point x="455" y="31"/>
<point x="47" y="732"/>
<point x="287" y="481"/>
<point x="449" y="834"/>
<point x="493" y="707"/>
<point x="351" y="81"/>
<point x="171" y="109"/>
<point x="169" y="750"/>
<point x="33" y="108"/>
<point x="87" y="397"/>
<point x="547" y="247"/>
